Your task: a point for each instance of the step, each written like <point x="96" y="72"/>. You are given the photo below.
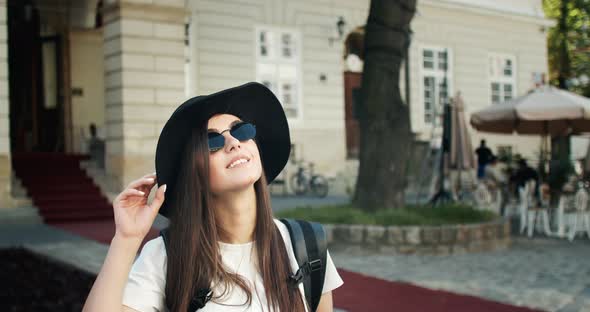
<point x="56" y="185"/>
<point x="62" y="217"/>
<point x="20" y="215"/>
<point x="60" y="188"/>
<point x="66" y="188"/>
<point x="80" y="178"/>
<point x="58" y="198"/>
<point x="49" y="156"/>
<point x="68" y="206"/>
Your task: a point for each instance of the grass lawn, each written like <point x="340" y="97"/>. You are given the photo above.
<point x="410" y="215"/>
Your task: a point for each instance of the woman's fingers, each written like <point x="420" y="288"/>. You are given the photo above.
<point x="143" y="182"/>
<point x="159" y="198"/>
<point x="130" y="192"/>
<point x="150" y="175"/>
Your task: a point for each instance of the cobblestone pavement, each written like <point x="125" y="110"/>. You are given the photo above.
<point x="548" y="274"/>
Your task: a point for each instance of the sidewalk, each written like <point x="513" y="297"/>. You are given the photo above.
<point x="50" y="241"/>
<point x="542" y="273"/>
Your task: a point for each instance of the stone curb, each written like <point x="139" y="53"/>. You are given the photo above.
<point x="431" y="240"/>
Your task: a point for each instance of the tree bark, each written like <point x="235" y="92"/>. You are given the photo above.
<point x="561" y="144"/>
<point x="564" y="54"/>
<point x="385" y="134"/>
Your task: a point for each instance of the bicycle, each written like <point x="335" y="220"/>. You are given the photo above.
<point x="304" y="181"/>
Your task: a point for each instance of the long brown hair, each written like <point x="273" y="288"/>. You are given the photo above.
<point x="194" y="260"/>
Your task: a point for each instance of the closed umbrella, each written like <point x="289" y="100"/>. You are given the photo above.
<point x="461" y="153"/>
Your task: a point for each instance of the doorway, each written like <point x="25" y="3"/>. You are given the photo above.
<point x="35" y="82"/>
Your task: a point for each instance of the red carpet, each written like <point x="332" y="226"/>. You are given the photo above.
<point x="362" y="293"/>
<point x="60" y="188"/>
<point x="65" y="196"/>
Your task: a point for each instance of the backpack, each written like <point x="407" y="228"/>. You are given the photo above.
<point x="309" y="243"/>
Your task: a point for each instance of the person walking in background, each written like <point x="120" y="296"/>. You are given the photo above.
<point x="525" y="173"/>
<point x="96" y="147"/>
<point x="496" y="180"/>
<point x="484" y="154"/>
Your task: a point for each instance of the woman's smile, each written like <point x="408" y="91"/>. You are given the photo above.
<point x="241" y="162"/>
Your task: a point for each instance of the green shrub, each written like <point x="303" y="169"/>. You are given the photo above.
<point x="411" y="215"/>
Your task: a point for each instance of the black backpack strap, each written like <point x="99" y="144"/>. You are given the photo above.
<point x="202" y="295"/>
<point x="320" y="249"/>
<point x="164" y="234"/>
<point x="310" y="248"/>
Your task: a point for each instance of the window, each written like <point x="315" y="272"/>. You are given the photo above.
<point x="436" y="82"/>
<point x="277" y="66"/>
<point x="502" y="77"/>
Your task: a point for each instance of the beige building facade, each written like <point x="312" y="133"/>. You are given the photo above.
<point x="125" y="65"/>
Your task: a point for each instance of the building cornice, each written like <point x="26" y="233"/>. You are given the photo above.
<point x="497" y="12"/>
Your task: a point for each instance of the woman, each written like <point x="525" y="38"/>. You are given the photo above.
<point x="214" y="158"/>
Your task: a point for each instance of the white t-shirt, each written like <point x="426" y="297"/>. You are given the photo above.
<point x="145" y="287"/>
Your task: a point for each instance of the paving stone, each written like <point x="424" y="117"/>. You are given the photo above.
<point x="448" y="235"/>
<point x="356" y="233"/>
<point x="431" y="235"/>
<point x="395" y="235"/>
<point x="540" y="273"/>
<point x="412" y="235"/>
<point x="375" y="235"/>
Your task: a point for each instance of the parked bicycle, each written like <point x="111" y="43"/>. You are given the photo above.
<point x="305" y="181"/>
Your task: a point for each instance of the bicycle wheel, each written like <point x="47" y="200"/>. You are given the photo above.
<point x="319" y="186"/>
<point x="298" y="184"/>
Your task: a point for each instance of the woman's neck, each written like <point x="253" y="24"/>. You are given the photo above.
<point x="236" y="216"/>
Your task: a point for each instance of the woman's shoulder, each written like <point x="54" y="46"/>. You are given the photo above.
<point x="153" y="250"/>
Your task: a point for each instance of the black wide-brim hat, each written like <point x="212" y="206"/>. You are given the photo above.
<point x="251" y="102"/>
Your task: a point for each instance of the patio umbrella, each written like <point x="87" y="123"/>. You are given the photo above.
<point x="460" y="157"/>
<point x="461" y="153"/>
<point x="544" y="111"/>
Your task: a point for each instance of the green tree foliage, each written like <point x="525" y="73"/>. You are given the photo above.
<point x="569" y="44"/>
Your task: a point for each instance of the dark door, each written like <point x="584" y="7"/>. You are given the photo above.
<point x="352" y="87"/>
<point x="34" y="82"/>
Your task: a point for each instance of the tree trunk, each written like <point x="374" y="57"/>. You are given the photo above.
<point x="564" y="54"/>
<point x="561" y="144"/>
<point x="385" y="134"/>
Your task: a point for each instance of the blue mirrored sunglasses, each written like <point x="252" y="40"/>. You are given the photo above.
<point x="242" y="131"/>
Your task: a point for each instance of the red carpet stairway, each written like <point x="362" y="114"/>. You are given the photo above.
<point x="65" y="196"/>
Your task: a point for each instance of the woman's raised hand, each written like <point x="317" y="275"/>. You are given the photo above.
<point x="133" y="215"/>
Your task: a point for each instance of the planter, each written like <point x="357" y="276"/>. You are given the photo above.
<point x="431" y="240"/>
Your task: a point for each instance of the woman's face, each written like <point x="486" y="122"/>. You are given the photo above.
<point x="237" y="165"/>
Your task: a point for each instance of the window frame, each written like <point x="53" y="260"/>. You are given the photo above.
<point x="500" y="78"/>
<point x="275" y="58"/>
<point x="438" y="75"/>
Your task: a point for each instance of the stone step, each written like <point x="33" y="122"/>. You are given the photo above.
<point x="99" y="177"/>
<point x="20" y="215"/>
<point x="16" y="187"/>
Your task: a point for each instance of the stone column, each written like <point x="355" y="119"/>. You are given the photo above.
<point x="144" y="53"/>
<point x="5" y="166"/>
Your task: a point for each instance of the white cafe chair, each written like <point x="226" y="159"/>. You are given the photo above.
<point x="581" y="216"/>
<point x="530" y="212"/>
